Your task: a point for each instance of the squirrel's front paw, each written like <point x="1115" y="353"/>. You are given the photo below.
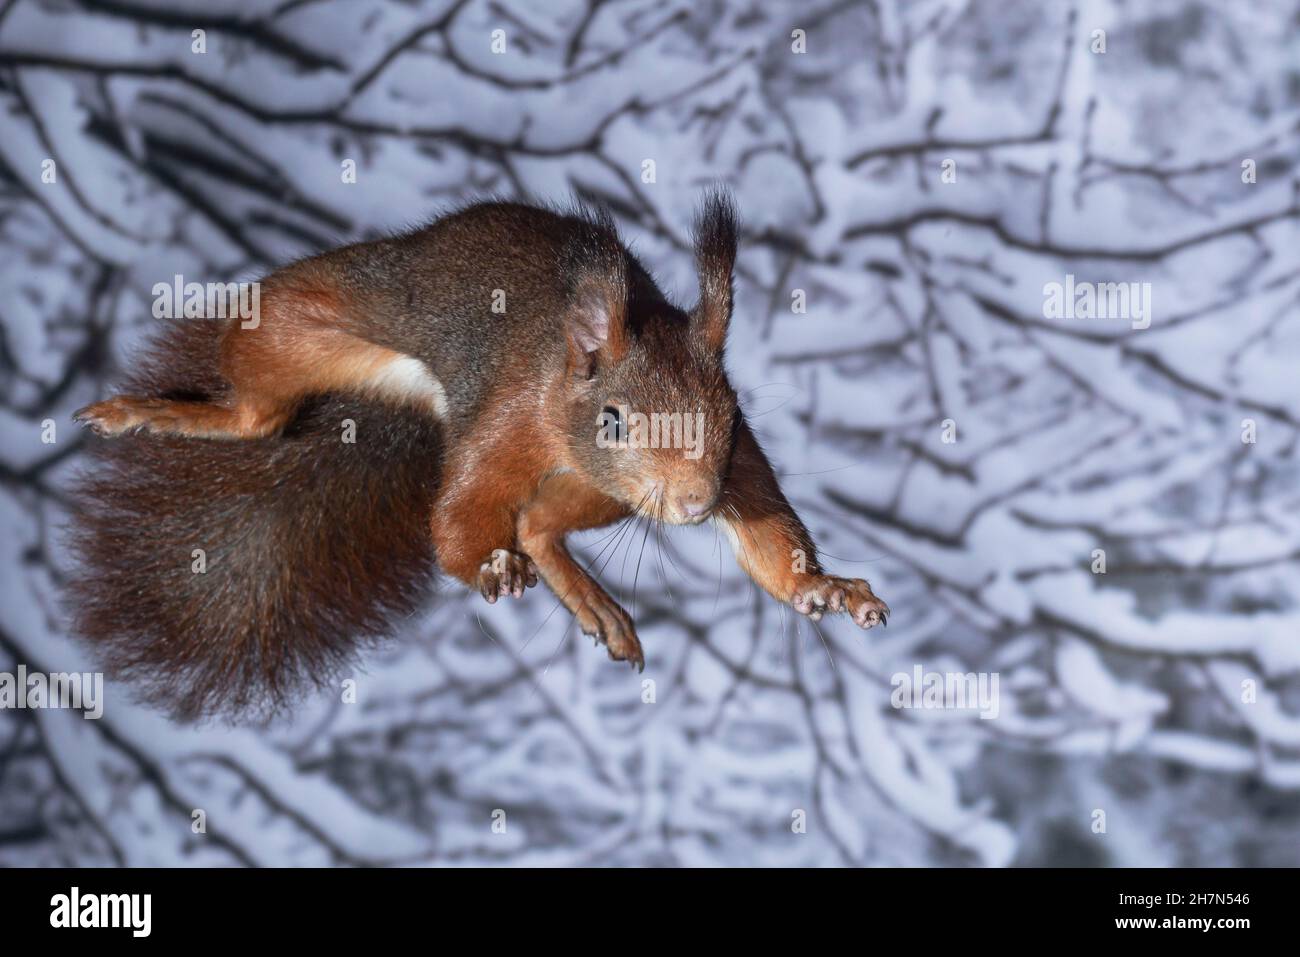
<point x="823" y="593"/>
<point x="506" y="573"/>
<point x="605" y="620"/>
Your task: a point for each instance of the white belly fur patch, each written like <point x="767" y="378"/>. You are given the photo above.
<point x="408" y="380"/>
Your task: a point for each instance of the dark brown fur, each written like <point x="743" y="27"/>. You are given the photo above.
<point x="303" y="561"/>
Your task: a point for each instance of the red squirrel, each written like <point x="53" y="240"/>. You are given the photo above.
<point x="234" y="546"/>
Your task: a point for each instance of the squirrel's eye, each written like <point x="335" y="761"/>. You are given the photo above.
<point x="614" y="415"/>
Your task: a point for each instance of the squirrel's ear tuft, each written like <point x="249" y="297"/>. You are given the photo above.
<point x="596" y="266"/>
<point x="715" y="257"/>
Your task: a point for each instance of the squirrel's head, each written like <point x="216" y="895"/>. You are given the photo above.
<point x="651" y="416"/>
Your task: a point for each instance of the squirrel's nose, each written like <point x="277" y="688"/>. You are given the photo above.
<point x="696" y="500"/>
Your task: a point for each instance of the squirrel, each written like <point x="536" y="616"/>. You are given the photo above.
<point x="235" y="550"/>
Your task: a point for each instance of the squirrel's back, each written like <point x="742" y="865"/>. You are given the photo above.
<point x="485" y="286"/>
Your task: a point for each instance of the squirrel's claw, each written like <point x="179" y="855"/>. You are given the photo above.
<point x="104" y="418"/>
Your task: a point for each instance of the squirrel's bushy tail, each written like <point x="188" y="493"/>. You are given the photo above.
<point x="221" y="577"/>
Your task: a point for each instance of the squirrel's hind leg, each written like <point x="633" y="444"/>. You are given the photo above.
<point x="125" y="413"/>
<point x="296" y="350"/>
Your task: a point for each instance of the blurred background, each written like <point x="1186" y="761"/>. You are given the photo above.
<point x="911" y="175"/>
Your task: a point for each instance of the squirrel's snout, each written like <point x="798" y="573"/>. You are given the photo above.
<point x="695" y="501"/>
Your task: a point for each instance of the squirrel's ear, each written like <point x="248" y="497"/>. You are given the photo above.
<point x="597" y="325"/>
<point x="597" y="319"/>
<point x="715" y="258"/>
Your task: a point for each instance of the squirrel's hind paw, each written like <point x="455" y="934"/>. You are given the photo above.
<point x="125" y="413"/>
<point x="108" y="418"/>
